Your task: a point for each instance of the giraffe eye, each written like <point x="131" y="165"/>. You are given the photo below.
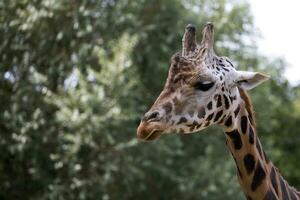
<point x="204" y="85"/>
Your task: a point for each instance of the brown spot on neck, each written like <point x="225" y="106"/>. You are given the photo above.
<point x="248" y="105"/>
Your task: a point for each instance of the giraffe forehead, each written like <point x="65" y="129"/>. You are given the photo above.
<point x="213" y="68"/>
<point x="180" y="75"/>
<point x="192" y="76"/>
<point x="188" y="71"/>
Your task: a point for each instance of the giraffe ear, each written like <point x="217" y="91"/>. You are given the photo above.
<point x="249" y="80"/>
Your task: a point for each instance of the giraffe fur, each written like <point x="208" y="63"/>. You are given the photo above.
<point x="203" y="89"/>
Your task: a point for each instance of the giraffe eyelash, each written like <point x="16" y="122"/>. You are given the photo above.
<point x="204" y="85"/>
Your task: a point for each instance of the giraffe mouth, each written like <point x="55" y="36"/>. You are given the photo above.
<point x="153" y="135"/>
<point x="149" y="131"/>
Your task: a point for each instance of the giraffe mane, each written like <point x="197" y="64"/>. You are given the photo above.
<point x="248" y="104"/>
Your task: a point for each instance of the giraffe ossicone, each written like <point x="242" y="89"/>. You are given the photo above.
<point x="204" y="89"/>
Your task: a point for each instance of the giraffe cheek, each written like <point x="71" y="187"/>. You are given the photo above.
<point x="201" y="113"/>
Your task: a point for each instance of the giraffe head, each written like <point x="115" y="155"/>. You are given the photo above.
<point x="201" y="89"/>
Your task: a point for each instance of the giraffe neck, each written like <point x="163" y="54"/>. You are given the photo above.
<point x="256" y="174"/>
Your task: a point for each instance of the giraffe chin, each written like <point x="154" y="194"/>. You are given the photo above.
<point x="149" y="131"/>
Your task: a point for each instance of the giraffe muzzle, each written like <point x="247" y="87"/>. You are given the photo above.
<point x="149" y="131"/>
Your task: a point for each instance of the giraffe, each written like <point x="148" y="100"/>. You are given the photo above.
<point x="203" y="89"/>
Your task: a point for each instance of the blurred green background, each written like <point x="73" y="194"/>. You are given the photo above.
<point x="76" y="77"/>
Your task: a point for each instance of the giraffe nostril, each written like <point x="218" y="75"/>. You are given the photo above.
<point x="151" y="116"/>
